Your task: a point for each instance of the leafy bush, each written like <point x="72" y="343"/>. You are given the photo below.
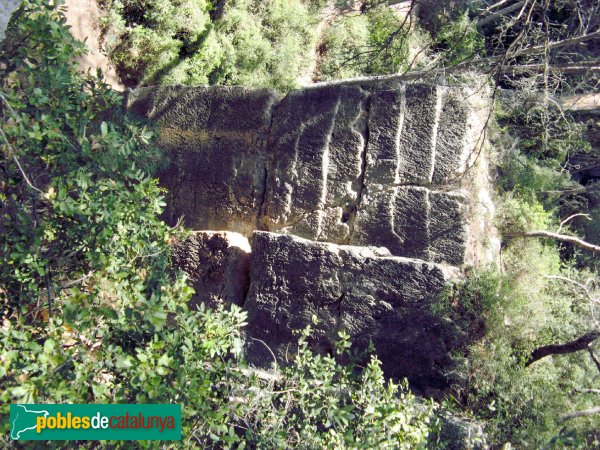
<point x="376" y="42"/>
<point x="249" y="42"/>
<point x="530" y="302"/>
<point x="523" y="310"/>
<point x="459" y="41"/>
<point x="343" y="42"/>
<point x="91" y="311"/>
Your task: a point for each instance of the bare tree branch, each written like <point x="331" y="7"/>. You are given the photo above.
<point x="576" y="345"/>
<point x="16" y="160"/>
<point x="558" y="237"/>
<point x="497" y="15"/>
<point x="533" y="50"/>
<point x="571" y="217"/>
<point x="580" y="67"/>
<point x="584" y="413"/>
<point x="596" y="362"/>
<point x="589" y="391"/>
<point x="494" y="6"/>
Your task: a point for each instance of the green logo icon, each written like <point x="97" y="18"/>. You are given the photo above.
<point x="24" y="420"/>
<point x="95" y="422"/>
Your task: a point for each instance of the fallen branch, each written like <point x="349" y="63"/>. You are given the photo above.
<point x="579" y="67"/>
<point x="589" y="391"/>
<point x="578" y="344"/>
<point x="584" y="413"/>
<point x="596" y="362"/>
<point x="501" y="13"/>
<point x="11" y="150"/>
<point x="550" y="46"/>
<point x="16" y="160"/>
<point x="571" y="217"/>
<point x="559" y="237"/>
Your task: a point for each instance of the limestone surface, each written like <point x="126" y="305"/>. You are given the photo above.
<point x="359" y="163"/>
<point x="363" y="290"/>
<point x="360" y="202"/>
<point x="217" y="264"/>
<point x="7" y="7"/>
<point x="216" y="142"/>
<point x="315" y="162"/>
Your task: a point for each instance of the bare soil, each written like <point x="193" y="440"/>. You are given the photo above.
<point x="84" y="18"/>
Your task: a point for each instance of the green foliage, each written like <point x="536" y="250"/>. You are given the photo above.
<point x="389" y="38"/>
<point x="459" y="41"/>
<point x="374" y="43"/>
<point x="91" y="311"/>
<point x="535" y="141"/>
<point x="469" y="303"/>
<point x="544" y="131"/>
<point x="343" y="43"/>
<point x="266" y="43"/>
<point x="320" y="404"/>
<point x="517" y="214"/>
<point x="531" y="302"/>
<point x="523" y="310"/>
<point x="249" y="42"/>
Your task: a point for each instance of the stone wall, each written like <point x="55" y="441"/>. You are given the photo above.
<point x="360" y="201"/>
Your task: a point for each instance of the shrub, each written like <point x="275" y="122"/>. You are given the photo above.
<point x="342" y="45"/>
<point x="459" y="41"/>
<point x="250" y="43"/>
<point x="374" y="43"/>
<point x="522" y="305"/>
<point x="523" y="310"/>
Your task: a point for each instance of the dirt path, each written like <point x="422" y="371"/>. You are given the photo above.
<point x="327" y="15"/>
<point x="84" y="18"/>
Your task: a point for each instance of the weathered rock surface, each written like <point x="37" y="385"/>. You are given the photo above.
<point x="7" y="7"/>
<point x="364" y="290"/>
<point x="216" y="138"/>
<point x="218" y="265"/>
<point x="416" y="222"/>
<point x="364" y="164"/>
<point x="355" y="197"/>
<point x="315" y="162"/>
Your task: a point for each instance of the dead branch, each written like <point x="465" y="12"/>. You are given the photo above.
<point x="558" y="237"/>
<point x="583" y="413"/>
<point x="571" y="217"/>
<point x="494" y="6"/>
<point x="581" y="67"/>
<point x="576" y="345"/>
<point x="529" y="51"/>
<point x="497" y="15"/>
<point x="596" y="362"/>
<point x="16" y="160"/>
<point x="588" y="391"/>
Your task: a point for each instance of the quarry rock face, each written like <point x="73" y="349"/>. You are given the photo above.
<point x="360" y="200"/>
<point x="7" y="7"/>
<point x="217" y="142"/>
<point x="217" y="264"/>
<point x="365" y="291"/>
